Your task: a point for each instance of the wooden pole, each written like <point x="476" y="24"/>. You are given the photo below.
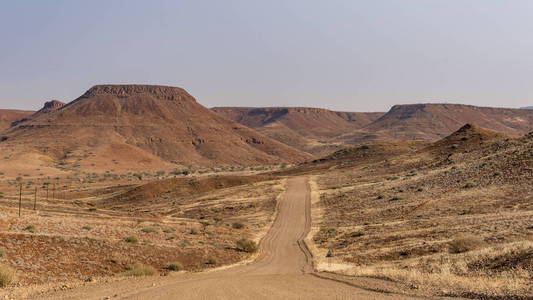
<point x="20" y="199"/>
<point x="47" y="193"/>
<point x="35" y="200"/>
<point x="54" y="192"/>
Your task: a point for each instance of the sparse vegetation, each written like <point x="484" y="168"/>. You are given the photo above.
<point x="465" y="242"/>
<point x="3" y="252"/>
<point x="139" y="269"/>
<point x="247" y="245"/>
<point x="30" y="228"/>
<point x="211" y="261"/>
<point x="131" y="239"/>
<point x="175" y="267"/>
<point x="87" y="228"/>
<point x="237" y="225"/>
<point x="7" y="276"/>
<point x="150" y="230"/>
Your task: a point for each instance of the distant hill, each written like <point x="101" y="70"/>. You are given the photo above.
<point x="435" y="121"/>
<point x="8" y="116"/>
<point x="140" y="126"/>
<point x="301" y="127"/>
<point x="527" y="107"/>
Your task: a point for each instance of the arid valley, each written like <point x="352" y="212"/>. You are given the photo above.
<point x="137" y="191"/>
<point x="292" y="150"/>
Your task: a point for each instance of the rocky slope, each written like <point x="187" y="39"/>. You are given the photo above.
<point x="435" y="121"/>
<point x="140" y="126"/>
<point x="8" y="116"/>
<point x="301" y="127"/>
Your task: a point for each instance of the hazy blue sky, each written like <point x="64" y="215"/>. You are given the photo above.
<point x="345" y="55"/>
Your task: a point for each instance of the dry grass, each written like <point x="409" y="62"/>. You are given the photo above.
<point x="7" y="276"/>
<point x="464" y="274"/>
<point x="141" y="270"/>
<point x="414" y="226"/>
<point x="72" y="245"/>
<point x="175" y="266"/>
<point x="465" y="242"/>
<point x="247" y="245"/>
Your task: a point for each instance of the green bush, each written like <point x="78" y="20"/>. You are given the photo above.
<point x="87" y="227"/>
<point x="3" y="252"/>
<point x="247" y="245"/>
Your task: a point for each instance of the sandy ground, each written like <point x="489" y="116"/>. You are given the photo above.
<point x="283" y="270"/>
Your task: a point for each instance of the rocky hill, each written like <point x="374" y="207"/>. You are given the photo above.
<point x="8" y="116"/>
<point x="301" y="127"/>
<point x="435" y="121"/>
<point x="141" y="126"/>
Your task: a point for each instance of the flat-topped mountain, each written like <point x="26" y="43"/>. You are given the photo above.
<point x="435" y="121"/>
<point x="144" y="125"/>
<point x="304" y="128"/>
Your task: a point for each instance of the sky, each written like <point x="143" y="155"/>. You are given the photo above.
<point x="342" y="55"/>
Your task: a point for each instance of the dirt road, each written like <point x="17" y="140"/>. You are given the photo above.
<point x="282" y="271"/>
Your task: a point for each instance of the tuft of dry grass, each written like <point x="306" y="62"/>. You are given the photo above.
<point x="131" y="239"/>
<point x="465" y="242"/>
<point x="247" y="245"/>
<point x="139" y="269"/>
<point x="150" y="230"/>
<point x="30" y="228"/>
<point x="175" y="266"/>
<point x="237" y="225"/>
<point x="7" y="276"/>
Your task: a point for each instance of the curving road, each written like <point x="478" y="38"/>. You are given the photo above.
<point x="283" y="270"/>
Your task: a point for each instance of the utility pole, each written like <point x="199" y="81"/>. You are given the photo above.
<point x="20" y="200"/>
<point x="35" y="200"/>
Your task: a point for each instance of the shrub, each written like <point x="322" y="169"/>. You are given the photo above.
<point x="87" y="227"/>
<point x="175" y="267"/>
<point x="150" y="230"/>
<point x="7" y="276"/>
<point x="247" y="245"/>
<point x="30" y="228"/>
<point x="237" y="225"/>
<point x="194" y="231"/>
<point x="130" y="239"/>
<point x="331" y="230"/>
<point x="465" y="243"/>
<point x="3" y="252"/>
<point x="92" y="209"/>
<point x="212" y="261"/>
<point x="469" y="185"/>
<point x="169" y="230"/>
<point x="141" y="270"/>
